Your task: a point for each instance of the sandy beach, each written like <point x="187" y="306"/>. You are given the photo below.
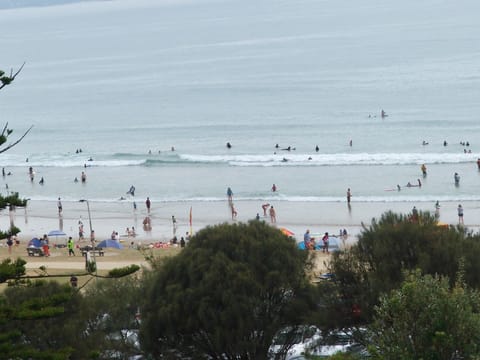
<point x="40" y="217"/>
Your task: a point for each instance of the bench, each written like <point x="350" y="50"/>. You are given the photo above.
<point x="33" y="251"/>
<point x="97" y="251"/>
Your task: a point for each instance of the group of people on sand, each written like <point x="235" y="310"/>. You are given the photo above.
<point x="309" y="242"/>
<point x="265" y="207"/>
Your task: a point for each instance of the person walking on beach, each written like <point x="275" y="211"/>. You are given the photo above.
<point x="59" y="206"/>
<point x="70" y="246"/>
<point x="437" y="210"/>
<point x="415" y="214"/>
<point x="349" y="195"/>
<point x="308" y="241"/>
<point x="80" y="230"/>
<point x="229" y="194"/>
<point x="174" y="226"/>
<point x="273" y="215"/>
<point x="264" y="208"/>
<point x="9" y="244"/>
<point x="325" y="243"/>
<point x="148" y="203"/>
<point x="460" y="214"/>
<point x="45" y="246"/>
<point x="234" y="211"/>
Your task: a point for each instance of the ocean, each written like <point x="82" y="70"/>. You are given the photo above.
<point x="152" y="91"/>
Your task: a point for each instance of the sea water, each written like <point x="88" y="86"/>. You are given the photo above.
<point x="152" y="91"/>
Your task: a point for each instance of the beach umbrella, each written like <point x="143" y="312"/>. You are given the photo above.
<point x="287" y="232"/>
<point x="56" y="233"/>
<point x="35" y="242"/>
<point x="110" y="243"/>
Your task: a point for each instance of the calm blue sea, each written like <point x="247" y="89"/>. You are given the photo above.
<point x="127" y="80"/>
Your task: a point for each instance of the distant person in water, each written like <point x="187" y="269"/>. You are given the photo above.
<point x="229" y="194"/>
<point x="383" y="114"/>
<point x="445" y="143"/>
<point x="131" y="191"/>
<point x="349" y="195"/>
<point x="274" y="188"/>
<point x="148" y="203"/>
<point x="41" y="181"/>
<point x="424" y="170"/>
<point x="317" y="148"/>
<point x="456" y="177"/>
<point x="83" y="177"/>
<point x="478" y="163"/>
<point x="229" y="146"/>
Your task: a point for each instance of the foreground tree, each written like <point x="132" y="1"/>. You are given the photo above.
<point x="426" y="319"/>
<point x="6" y="132"/>
<point x="32" y="319"/>
<point x="394" y="243"/>
<point x="227" y="294"/>
<point x="5" y="135"/>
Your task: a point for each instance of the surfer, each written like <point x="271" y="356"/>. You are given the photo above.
<point x="131" y="191"/>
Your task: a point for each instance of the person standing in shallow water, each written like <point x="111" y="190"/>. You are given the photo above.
<point x="349" y="195"/>
<point x="148" y="203"/>
<point x="229" y="194"/>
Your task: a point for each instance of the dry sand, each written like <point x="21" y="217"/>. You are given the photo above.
<point x="41" y="216"/>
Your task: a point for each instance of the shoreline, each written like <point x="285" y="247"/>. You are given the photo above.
<point x="40" y="217"/>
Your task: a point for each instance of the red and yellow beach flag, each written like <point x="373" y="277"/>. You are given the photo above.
<point x="190" y="219"/>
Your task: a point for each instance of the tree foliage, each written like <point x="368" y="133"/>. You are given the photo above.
<point x="394" y="243"/>
<point x="31" y="321"/>
<point x="426" y="319"/>
<point x="227" y="294"/>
